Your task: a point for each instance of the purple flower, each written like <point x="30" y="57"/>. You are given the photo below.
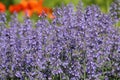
<point x="76" y="45"/>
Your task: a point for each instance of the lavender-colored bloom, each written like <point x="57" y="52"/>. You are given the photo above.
<point x="76" y="45"/>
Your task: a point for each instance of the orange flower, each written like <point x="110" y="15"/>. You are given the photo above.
<point x="51" y="16"/>
<point x="24" y="5"/>
<point x="40" y="2"/>
<point x="49" y="12"/>
<point x="31" y="6"/>
<point x="28" y="12"/>
<point x="2" y="7"/>
<point x="39" y="10"/>
<point x="15" y="8"/>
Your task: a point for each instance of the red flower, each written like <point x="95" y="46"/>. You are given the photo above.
<point x="2" y="7"/>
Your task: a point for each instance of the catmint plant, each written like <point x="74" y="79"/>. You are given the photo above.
<point x="81" y="44"/>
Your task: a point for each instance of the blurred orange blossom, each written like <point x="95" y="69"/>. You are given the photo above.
<point x="2" y="7"/>
<point x="31" y="6"/>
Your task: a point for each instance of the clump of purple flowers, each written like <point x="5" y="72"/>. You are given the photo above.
<point x="76" y="45"/>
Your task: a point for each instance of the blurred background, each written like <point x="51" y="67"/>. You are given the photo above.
<point x="38" y="6"/>
<point x="104" y="4"/>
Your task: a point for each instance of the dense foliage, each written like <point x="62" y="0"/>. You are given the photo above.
<point x="75" y="45"/>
